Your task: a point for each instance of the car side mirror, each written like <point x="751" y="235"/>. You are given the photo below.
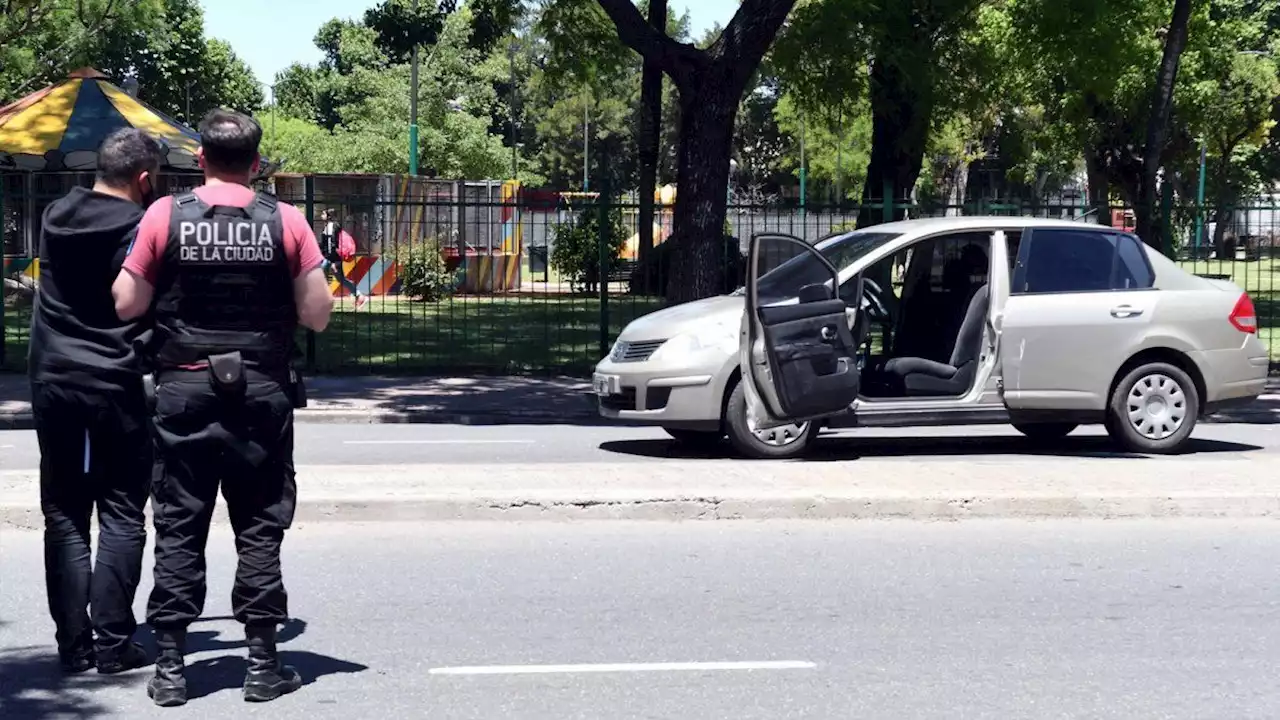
<point x="818" y="292"/>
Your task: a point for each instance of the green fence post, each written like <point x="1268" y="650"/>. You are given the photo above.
<point x="309" y="192"/>
<point x="887" y="201"/>
<point x="1166" y="217"/>
<point x="602" y="245"/>
<point x="4" y="310"/>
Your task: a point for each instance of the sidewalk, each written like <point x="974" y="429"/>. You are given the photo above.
<point x="1238" y="486"/>
<point x="462" y="401"/>
<point x="362" y="399"/>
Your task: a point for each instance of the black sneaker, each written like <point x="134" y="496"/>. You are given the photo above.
<point x="167" y="690"/>
<point x="76" y="662"/>
<point x="131" y="657"/>
<point x="267" y="685"/>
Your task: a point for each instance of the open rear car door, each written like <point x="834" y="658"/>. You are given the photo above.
<point x="797" y="351"/>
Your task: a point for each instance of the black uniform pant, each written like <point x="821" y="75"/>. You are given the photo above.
<point x="95" y="452"/>
<point x="245" y="447"/>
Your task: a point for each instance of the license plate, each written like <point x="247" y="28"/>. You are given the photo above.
<point x="605" y="384"/>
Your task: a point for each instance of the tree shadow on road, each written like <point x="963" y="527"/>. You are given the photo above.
<point x="833" y="448"/>
<point x="33" y="687"/>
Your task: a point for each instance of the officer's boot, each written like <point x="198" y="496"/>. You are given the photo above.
<point x="267" y="678"/>
<point x="168" y="688"/>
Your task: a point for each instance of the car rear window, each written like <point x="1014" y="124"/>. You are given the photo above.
<point x="1069" y="260"/>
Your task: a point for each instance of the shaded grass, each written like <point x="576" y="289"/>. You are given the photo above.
<point x="530" y="333"/>
<point x="17" y="326"/>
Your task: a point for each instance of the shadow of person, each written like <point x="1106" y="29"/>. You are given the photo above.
<point x="211" y="640"/>
<point x="32" y="686"/>
<point x="226" y="672"/>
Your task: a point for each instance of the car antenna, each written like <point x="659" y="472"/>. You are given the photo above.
<point x="1082" y="218"/>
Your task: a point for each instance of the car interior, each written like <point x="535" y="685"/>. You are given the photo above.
<point x="925" y="311"/>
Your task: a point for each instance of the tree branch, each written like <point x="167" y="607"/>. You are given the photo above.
<point x="749" y="34"/>
<point x="674" y="58"/>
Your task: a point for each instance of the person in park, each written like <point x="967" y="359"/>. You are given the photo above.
<point x="232" y="273"/>
<point x="90" y="410"/>
<point x="337" y="246"/>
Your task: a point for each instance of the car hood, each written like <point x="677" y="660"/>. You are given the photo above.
<point x="687" y="317"/>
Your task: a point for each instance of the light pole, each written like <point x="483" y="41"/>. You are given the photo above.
<point x="413" y="96"/>
<point x="1200" y="200"/>
<point x="586" y="143"/>
<point x="515" y="157"/>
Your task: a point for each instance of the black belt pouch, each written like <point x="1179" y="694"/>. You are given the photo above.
<point x="226" y="372"/>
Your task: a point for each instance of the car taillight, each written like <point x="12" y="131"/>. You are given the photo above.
<point x="1243" y="317"/>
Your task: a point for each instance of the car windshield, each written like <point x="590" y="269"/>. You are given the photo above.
<point x="785" y="280"/>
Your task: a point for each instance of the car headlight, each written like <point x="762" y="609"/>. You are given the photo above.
<point x="721" y="339"/>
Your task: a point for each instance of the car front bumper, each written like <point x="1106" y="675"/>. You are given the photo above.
<point x="648" y="392"/>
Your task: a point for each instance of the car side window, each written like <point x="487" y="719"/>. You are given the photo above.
<point x="1133" y="270"/>
<point x="1060" y="261"/>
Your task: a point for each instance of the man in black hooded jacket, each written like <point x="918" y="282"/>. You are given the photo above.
<point x="90" y="409"/>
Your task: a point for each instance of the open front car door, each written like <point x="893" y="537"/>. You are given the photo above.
<point x="798" y="353"/>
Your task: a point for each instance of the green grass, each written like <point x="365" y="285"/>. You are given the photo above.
<point x="1259" y="278"/>
<point x="17" y="325"/>
<point x="529" y="333"/>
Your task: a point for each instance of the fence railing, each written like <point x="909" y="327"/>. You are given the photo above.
<point x="466" y="283"/>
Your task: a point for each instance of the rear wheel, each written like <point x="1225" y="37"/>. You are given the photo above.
<point x="1045" y="431"/>
<point x="778" y="443"/>
<point x="1153" y="409"/>
<point x="695" y="438"/>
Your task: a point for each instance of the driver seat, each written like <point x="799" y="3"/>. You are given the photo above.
<point x="914" y="376"/>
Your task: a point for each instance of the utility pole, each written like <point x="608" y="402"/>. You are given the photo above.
<point x="840" y="159"/>
<point x="413" y="95"/>
<point x="803" y="175"/>
<point x="586" y="144"/>
<point x="187" y="114"/>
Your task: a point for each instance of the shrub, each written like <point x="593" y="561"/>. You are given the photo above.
<point x="576" y="253"/>
<point x="424" y="276"/>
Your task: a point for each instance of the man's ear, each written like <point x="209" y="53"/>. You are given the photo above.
<point x="257" y="164"/>
<point x="200" y="157"/>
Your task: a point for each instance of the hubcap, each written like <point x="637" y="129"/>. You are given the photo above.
<point x="777" y="436"/>
<point x="1157" y="406"/>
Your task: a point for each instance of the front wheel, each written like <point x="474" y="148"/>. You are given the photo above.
<point x="1153" y="409"/>
<point x="780" y="443"/>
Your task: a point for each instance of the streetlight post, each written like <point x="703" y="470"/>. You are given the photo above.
<point x="515" y="157"/>
<point x="803" y="175"/>
<point x="413" y="97"/>
<point x="586" y="145"/>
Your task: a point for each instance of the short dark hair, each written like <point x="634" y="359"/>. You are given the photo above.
<point x="125" y="154"/>
<point x="230" y="140"/>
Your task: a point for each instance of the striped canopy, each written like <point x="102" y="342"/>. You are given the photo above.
<point x="61" y="127"/>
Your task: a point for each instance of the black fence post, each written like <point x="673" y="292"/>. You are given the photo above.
<point x="606" y="263"/>
<point x="309" y="192"/>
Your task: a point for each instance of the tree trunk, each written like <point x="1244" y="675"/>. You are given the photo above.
<point x="650" y="132"/>
<point x="1099" y="186"/>
<point x="959" y="183"/>
<point x="1146" y="213"/>
<point x="900" y="112"/>
<point x="707" y="113"/>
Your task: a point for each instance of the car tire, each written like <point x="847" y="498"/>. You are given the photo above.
<point x="695" y="438"/>
<point x="792" y="442"/>
<point x="1046" y="431"/>
<point x="1153" y="409"/>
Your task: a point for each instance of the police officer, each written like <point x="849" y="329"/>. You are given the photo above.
<point x="232" y="273"/>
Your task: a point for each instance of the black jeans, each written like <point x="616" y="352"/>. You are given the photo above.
<point x="95" y="452"/>
<point x="204" y="442"/>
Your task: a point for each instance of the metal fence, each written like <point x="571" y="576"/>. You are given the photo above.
<point x="533" y="285"/>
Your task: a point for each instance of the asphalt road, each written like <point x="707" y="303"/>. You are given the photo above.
<point x="361" y="444"/>
<point x="1173" y="619"/>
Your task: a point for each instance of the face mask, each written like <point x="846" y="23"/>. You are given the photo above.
<point x="148" y="194"/>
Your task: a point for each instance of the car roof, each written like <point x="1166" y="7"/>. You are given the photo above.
<point x="944" y="224"/>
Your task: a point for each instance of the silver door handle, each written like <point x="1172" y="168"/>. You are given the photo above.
<point x="1125" y="311"/>
<point x="828" y="333"/>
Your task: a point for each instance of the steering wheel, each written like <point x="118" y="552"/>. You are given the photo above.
<point x="873" y="298"/>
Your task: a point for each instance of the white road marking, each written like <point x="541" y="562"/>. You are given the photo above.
<point x="437" y="442"/>
<point x="622" y="668"/>
<point x="7" y="447"/>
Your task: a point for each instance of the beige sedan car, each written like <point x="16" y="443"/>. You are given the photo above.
<point x="1044" y="324"/>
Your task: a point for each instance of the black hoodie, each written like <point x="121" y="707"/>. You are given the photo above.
<point x="76" y="337"/>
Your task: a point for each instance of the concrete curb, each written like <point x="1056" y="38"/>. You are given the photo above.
<point x="1233" y="487"/>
